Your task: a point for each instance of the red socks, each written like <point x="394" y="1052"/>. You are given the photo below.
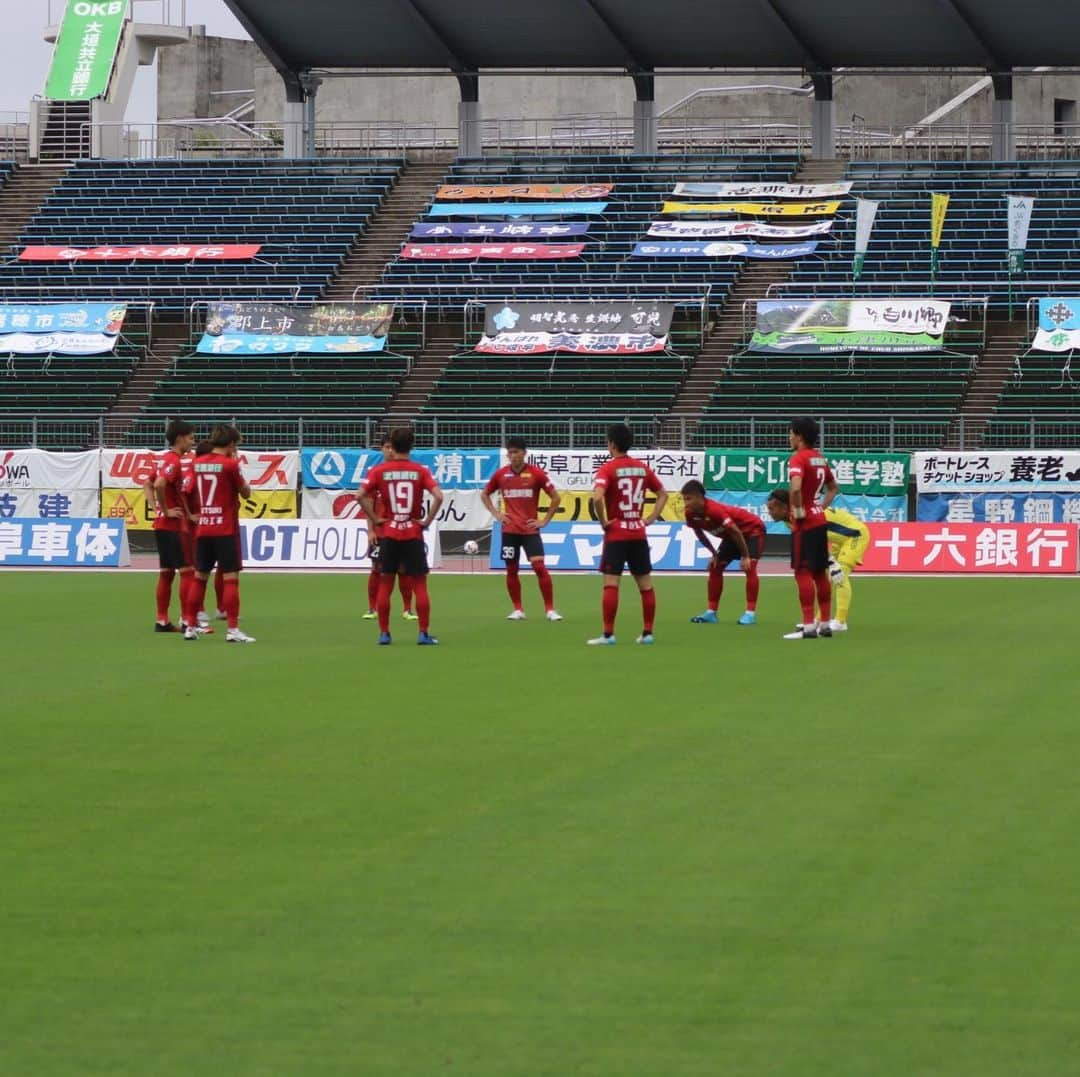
<point x="513" y="584"/>
<point x="231" y="598"/>
<point x="164" y="593"/>
<point x="386" y="589"/>
<point x="824" y="595"/>
<point x="804" y="580"/>
<point x="609" y="605"/>
<point x="716" y="585"/>
<point x="648" y="610"/>
<point x="372" y="590"/>
<point x="219" y="589"/>
<point x="405" y="585"/>
<point x="423" y="601"/>
<point x="547" y="588"/>
<point x="753" y="585"/>
<point x="196" y="594"/>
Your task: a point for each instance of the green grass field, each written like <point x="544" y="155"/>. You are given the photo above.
<point x="516" y="855"/>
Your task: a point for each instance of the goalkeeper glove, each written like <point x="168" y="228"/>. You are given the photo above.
<point x="836" y="571"/>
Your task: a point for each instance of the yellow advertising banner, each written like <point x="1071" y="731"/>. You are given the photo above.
<point x="130" y="506"/>
<point x="939" y="205"/>
<point x="577" y="507"/>
<point x="756" y="209"/>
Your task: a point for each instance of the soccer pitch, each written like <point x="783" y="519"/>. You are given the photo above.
<point x="517" y="855"/>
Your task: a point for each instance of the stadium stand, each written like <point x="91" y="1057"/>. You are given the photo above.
<point x="1039" y="406"/>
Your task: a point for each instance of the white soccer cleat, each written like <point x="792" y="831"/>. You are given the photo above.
<point x="802" y="632"/>
<point x="190" y="633"/>
<point x="516" y="615"/>
<point x="235" y="635"/>
<point x="553" y="615"/>
<point x="838" y="626"/>
<point x="203" y="619"/>
<point x="221" y="615"/>
<point x="601" y="641"/>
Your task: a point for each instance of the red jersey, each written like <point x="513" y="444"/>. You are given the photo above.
<point x="520" y="492"/>
<point x="718" y="516"/>
<point x="812" y="468"/>
<point x="171" y="470"/>
<point x="401" y="485"/>
<point x="218" y="480"/>
<point x="623" y="482"/>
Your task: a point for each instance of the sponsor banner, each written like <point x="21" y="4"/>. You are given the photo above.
<point x="540" y="191"/>
<point x="972" y="548"/>
<point x="36" y="469"/>
<point x="1000" y="508"/>
<point x="453" y="252"/>
<point x="817" y="327"/>
<point x="939" y="206"/>
<point x="754" y="209"/>
<point x="101" y="318"/>
<point x="314" y="320"/>
<point x="48" y="503"/>
<point x="130" y="505"/>
<point x="56" y="343"/>
<point x="128" y="469"/>
<point x="341" y="544"/>
<point x="868" y="508"/>
<point x="814" y="191"/>
<point x="1059" y="325"/>
<point x="453" y="469"/>
<point x="579" y="343"/>
<point x="499" y="231"/>
<point x="578" y="505"/>
<point x="729" y="229"/>
<point x="573" y="469"/>
<point x="227" y="343"/>
<point x="518" y="209"/>
<point x="461" y="510"/>
<point x="629" y="316"/>
<point x="80" y="542"/>
<point x="705" y="249"/>
<point x="175" y="253"/>
<point x="85" y="48"/>
<point x="1019" y="216"/>
<point x="1021" y="472"/>
<point x="858" y="474"/>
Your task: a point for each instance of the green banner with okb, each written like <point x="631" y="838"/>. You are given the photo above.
<point x="85" y="49"/>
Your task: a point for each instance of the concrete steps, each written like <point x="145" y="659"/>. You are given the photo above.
<point x="21" y="197"/>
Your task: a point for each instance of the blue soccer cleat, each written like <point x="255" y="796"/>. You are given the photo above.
<point x="706" y="618"/>
<point x="601" y="641"/>
<point x="384" y="639"/>
<point x="748" y="618"/>
<point x="646" y="638"/>
<point x="425" y="639"/>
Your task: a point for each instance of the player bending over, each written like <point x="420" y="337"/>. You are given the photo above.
<point x="519" y="485"/>
<point x="404" y="582"/>
<point x="849" y="538"/>
<point x="171" y="524"/>
<point x="399" y="484"/>
<point x="220" y="484"/>
<point x="742" y="539"/>
<point x="619" y="498"/>
<point x="809" y="475"/>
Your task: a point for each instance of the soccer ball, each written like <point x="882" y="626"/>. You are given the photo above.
<point x="471" y="547"/>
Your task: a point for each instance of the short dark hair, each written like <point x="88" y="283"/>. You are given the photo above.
<point x="177" y="428"/>
<point x="807" y="429"/>
<point x="402" y="439"/>
<point x="517" y="443"/>
<point x="693" y="487"/>
<point x="203" y="447"/>
<point x="780" y="495"/>
<point x="618" y="434"/>
<point x="224" y="436"/>
<point x="383" y="441"/>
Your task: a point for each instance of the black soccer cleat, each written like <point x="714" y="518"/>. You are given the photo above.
<point x="168" y="626"/>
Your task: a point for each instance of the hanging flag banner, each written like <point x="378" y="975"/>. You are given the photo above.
<point x="1021" y="472"/>
<point x="865" y="213"/>
<point x="176" y="253"/>
<point x="707" y="249"/>
<point x="60" y="329"/>
<point x="454" y="252"/>
<point x="754" y="209"/>
<point x="70" y="543"/>
<point x="85" y="49"/>
<point x="540" y="191"/>
<point x="586" y="328"/>
<point x="814" y="191"/>
<point x="727" y="229"/>
<point x="1019" y="210"/>
<point x="971" y="548"/>
<point x="321" y="328"/>
<point x="499" y="231"/>
<point x="808" y="327"/>
<point x="939" y="205"/>
<point x="518" y="209"/>
<point x="1059" y="325"/>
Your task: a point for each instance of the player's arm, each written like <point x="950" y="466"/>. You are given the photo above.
<point x="436" y="503"/>
<point x="367" y="503"/>
<point x="736" y="536"/>
<point x="832" y="488"/>
<point x="795" y="493"/>
<point x="599" y="506"/>
<point x="159" y="491"/>
<point x="653" y="483"/>
<point x="554" y="501"/>
<point x="704" y="540"/>
<point x="490" y="505"/>
<point x="149" y="490"/>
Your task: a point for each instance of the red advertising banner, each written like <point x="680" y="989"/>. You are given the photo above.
<point x="180" y="252"/>
<point x="973" y="548"/>
<point x="542" y="191"/>
<point x="452" y="252"/>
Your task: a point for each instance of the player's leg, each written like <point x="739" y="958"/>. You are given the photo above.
<point x="230" y="564"/>
<point x="405" y="586"/>
<point x="817" y="559"/>
<point x="372" y="592"/>
<point x="804" y="583"/>
<point x="753" y="582"/>
<point x="389" y="563"/>
<point x="415" y="566"/>
<point x="714" y="590"/>
<point x="205" y="561"/>
<point x="641" y="569"/>
<point x="170" y="561"/>
<point x="534" y="550"/>
<point x="511" y="553"/>
<point x="612" y="559"/>
<point x="842" y="591"/>
<point x="163" y="597"/>
<point x="219" y="594"/>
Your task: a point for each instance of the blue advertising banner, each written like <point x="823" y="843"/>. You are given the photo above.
<point x="723" y="249"/>
<point x="869" y="508"/>
<point x="517" y="209"/>
<point x="227" y="343"/>
<point x="999" y="507"/>
<point x="343" y="469"/>
<point x="63" y="543"/>
<point x="498" y="231"/>
<point x="60" y="328"/>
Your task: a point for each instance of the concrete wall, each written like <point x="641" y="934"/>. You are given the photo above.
<point x="189" y="74"/>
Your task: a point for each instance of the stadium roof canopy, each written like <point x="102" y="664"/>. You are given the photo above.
<point x="675" y="36"/>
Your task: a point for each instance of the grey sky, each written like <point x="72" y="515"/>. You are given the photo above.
<point x="24" y="53"/>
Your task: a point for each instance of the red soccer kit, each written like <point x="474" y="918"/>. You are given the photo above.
<point x="520" y="492"/>
<point x="624" y="481"/>
<point x="718" y="516"/>
<point x="170" y="469"/>
<point x="811" y="467"/>
<point x="401" y="485"/>
<point x="218" y="479"/>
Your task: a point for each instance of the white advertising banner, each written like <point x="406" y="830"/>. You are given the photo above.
<point x="462" y="510"/>
<point x="573" y="469"/>
<point x="865" y="214"/>
<point x="729" y="229"/>
<point x="813" y="191"/>
<point x="1020" y="210"/>
<point x="320" y="544"/>
<point x="48" y="485"/>
<point x="1019" y="472"/>
<point x="130" y="468"/>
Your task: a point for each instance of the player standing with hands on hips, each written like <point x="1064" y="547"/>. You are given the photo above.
<point x="619" y="499"/>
